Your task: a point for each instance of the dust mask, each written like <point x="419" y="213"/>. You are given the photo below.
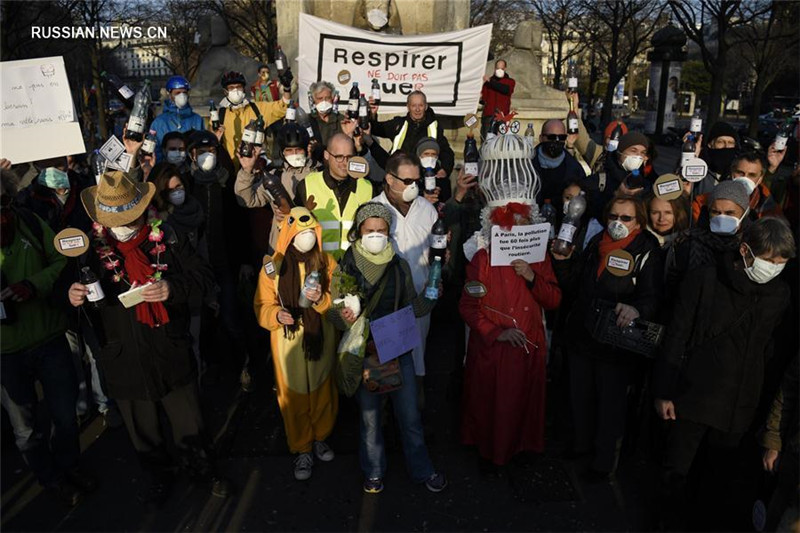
<point x="617" y="230"/>
<point x="181" y="100"/>
<point x="374" y="243"/>
<point x="207" y="161"/>
<point x="305" y="241"/>
<point x="324" y="107"/>
<point x="632" y="162"/>
<point x="236" y="96"/>
<point x="296" y="160"/>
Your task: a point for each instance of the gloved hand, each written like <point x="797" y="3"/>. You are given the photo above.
<point x="21" y="291"/>
<point x="286" y="79"/>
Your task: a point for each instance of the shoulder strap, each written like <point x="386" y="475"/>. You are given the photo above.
<point x="255" y="109"/>
<point x="221" y="114"/>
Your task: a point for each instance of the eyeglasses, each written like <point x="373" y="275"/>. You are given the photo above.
<point x="341" y="158"/>
<point x="562" y="137"/>
<point x="624" y="218"/>
<point x="406" y="181"/>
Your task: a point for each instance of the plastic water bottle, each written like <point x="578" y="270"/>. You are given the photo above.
<point x="312" y="282"/>
<point x="549" y="214"/>
<point x="434" y="277"/>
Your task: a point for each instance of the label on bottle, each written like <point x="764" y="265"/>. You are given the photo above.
<point x="148" y="146"/>
<point x="612" y="145"/>
<point x="279" y="64"/>
<point x="248" y="136"/>
<point x="259" y="138"/>
<point x="572" y="124"/>
<point x="572" y="83"/>
<point x="439" y="242"/>
<point x="430" y="183"/>
<point x="215" y="116"/>
<point x="136" y="124"/>
<point x="352" y="105"/>
<point x="291" y="114"/>
<point x="686" y="157"/>
<point x="310" y="131"/>
<point x="126" y="92"/>
<point x="95" y="292"/>
<point x="780" y="142"/>
<point x="376" y="94"/>
<point x="362" y="111"/>
<point x="471" y="169"/>
<point x="567" y="232"/>
<point x="696" y="125"/>
<point x="432" y="293"/>
<point x="552" y="234"/>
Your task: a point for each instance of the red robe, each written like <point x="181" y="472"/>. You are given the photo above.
<point x="504" y="388"/>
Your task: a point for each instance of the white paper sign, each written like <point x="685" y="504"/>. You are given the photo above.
<point x="36" y="105"/>
<point x="528" y="243"/>
<point x="122" y="163"/>
<point x="112" y="148"/>
<point x="447" y="67"/>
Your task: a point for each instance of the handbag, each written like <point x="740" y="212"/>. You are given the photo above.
<point x="640" y="337"/>
<point x="380" y="378"/>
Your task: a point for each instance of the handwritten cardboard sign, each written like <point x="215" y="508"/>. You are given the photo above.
<point x="37" y="104"/>
<point x="528" y="243"/>
<point x="395" y="334"/>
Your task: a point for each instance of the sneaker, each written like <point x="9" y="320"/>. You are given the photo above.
<point x="302" y="466"/>
<point x="436" y="483"/>
<point x="323" y="451"/>
<point x="373" y="485"/>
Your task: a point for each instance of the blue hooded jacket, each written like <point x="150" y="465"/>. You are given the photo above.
<point x="174" y="119"/>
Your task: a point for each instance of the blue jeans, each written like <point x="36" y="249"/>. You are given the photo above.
<point x="50" y="364"/>
<point x="371" y="450"/>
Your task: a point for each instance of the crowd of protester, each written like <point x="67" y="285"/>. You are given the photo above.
<point x="323" y="252"/>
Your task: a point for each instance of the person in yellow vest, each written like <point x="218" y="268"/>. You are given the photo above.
<point x="303" y="342"/>
<point x="333" y="195"/>
<point x="236" y="111"/>
<point x="406" y="131"/>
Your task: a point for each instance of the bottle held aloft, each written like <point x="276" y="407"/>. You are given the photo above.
<point x="280" y="60"/>
<point x="471" y="156"/>
<point x="213" y="113"/>
<point x="136" y="122"/>
<point x="573" y="211"/>
<point x="376" y="92"/>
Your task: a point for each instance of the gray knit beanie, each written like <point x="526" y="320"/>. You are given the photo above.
<point x="733" y="191"/>
<point x="373" y="210"/>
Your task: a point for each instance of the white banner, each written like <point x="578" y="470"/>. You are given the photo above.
<point x="447" y="67"/>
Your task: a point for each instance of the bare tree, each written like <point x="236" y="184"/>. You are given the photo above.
<point x="559" y="19"/>
<point x="624" y="28"/>
<point x="251" y="24"/>
<point x="712" y="25"/>
<point x="504" y="15"/>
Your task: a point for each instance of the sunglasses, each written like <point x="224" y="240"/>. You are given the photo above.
<point x="406" y="181"/>
<point x="624" y="218"/>
<point x="340" y="158"/>
<point x="562" y="137"/>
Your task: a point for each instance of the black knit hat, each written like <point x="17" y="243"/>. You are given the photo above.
<point x="632" y="138"/>
<point x="722" y="129"/>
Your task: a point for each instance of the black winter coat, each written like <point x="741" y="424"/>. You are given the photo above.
<point x="555" y="180"/>
<point x="579" y="282"/>
<point x="416" y="131"/>
<point x="140" y="362"/>
<point x="712" y="361"/>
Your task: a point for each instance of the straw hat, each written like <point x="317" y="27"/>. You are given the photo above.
<point x="117" y="200"/>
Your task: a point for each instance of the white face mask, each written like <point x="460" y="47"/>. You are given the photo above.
<point x="612" y="145"/>
<point x="181" y="100"/>
<point x="63" y="197"/>
<point x="305" y="241"/>
<point x="374" y="243"/>
<point x="632" y="162"/>
<point x="410" y="193"/>
<point x="236" y="96"/>
<point x="761" y="271"/>
<point x="499" y="73"/>
<point x="377" y="18"/>
<point x="324" y="107"/>
<point x="123" y="233"/>
<point x="725" y="224"/>
<point x="428" y="162"/>
<point x="617" y="230"/>
<point x="177" y="196"/>
<point x="296" y="160"/>
<point x="749" y="184"/>
<point x="176" y="157"/>
<point x="207" y="161"/>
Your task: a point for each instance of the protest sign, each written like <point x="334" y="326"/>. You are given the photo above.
<point x="528" y="243"/>
<point x="37" y="117"/>
<point x="395" y="334"/>
<point x="447" y="67"/>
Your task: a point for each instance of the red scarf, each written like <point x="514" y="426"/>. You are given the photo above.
<point x="608" y="245"/>
<point x="138" y="269"/>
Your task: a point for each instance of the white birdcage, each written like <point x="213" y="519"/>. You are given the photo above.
<point x="507" y="173"/>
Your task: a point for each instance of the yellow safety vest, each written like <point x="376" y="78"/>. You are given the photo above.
<point x="335" y="226"/>
<point x="433" y="127"/>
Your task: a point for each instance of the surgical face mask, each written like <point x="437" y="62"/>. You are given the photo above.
<point x="617" y="230"/>
<point x="749" y="184"/>
<point x="123" y="233"/>
<point x="54" y="178"/>
<point x="632" y="162"/>
<point x="552" y="149"/>
<point x="725" y="224"/>
<point x="324" y="107"/>
<point x="761" y="271"/>
<point x="176" y="157"/>
<point x="235" y="96"/>
<point x="296" y="160"/>
<point x="374" y="243"/>
<point x="612" y="145"/>
<point x="428" y="162"/>
<point x="305" y="241"/>
<point x="207" y="161"/>
<point x="499" y="73"/>
<point x="177" y="196"/>
<point x="181" y="100"/>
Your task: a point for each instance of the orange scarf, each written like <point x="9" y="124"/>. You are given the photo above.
<point x="608" y="245"/>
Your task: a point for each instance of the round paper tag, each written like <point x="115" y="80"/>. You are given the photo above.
<point x="476" y="289"/>
<point x="619" y="262"/>
<point x="71" y="242"/>
<point x="358" y="167"/>
<point x="668" y="187"/>
<point x="471" y="120"/>
<point x="343" y="77"/>
<point x="694" y="170"/>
